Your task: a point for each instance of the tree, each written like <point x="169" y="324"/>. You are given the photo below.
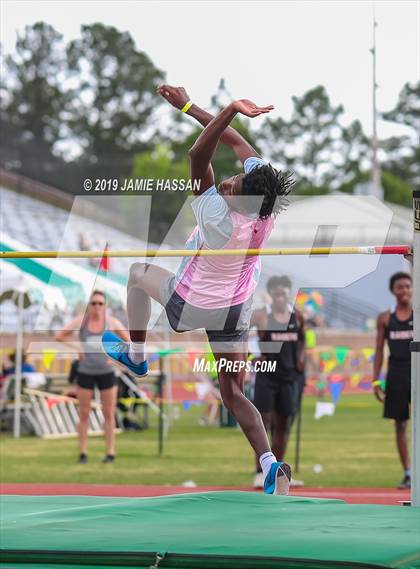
<point x="407" y="109"/>
<point x="314" y="127"/>
<point x="32" y="102"/>
<point x="396" y="190"/>
<point x="115" y="94"/>
<point x="309" y="141"/>
<point x="278" y="143"/>
<point x="160" y="165"/>
<point x="403" y="152"/>
<point x="353" y="152"/>
<point x="33" y="94"/>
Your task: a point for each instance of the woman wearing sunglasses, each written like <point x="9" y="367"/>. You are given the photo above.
<point x="94" y="369"/>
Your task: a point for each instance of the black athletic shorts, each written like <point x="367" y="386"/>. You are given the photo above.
<point x="227" y="328"/>
<point x="103" y="381"/>
<point x="273" y="394"/>
<point x="398" y="395"/>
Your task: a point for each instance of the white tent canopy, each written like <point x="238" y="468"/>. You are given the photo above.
<point x="14" y="280"/>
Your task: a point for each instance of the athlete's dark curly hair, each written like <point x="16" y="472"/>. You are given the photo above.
<point x="270" y="184"/>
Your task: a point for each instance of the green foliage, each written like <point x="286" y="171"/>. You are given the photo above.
<point x="98" y="93"/>
<point x="402" y="153"/>
<point x="307" y="143"/>
<point x="160" y="164"/>
<point x="349" y="186"/>
<point x="353" y="150"/>
<point x="396" y="190"/>
<point x="33" y="97"/>
<point x="115" y="96"/>
<point x="97" y="97"/>
<point x="407" y="109"/>
<point x="302" y="190"/>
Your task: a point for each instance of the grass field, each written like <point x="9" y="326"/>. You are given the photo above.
<point x="355" y="448"/>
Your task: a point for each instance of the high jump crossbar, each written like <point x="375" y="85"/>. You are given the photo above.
<point x="365" y="250"/>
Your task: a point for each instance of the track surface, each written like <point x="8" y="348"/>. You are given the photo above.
<point x="388" y="496"/>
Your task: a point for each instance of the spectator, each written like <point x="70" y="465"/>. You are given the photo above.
<point x="94" y="369"/>
<point x="26" y="367"/>
<point x="397" y="329"/>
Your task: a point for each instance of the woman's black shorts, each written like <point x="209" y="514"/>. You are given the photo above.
<point x="103" y="381"/>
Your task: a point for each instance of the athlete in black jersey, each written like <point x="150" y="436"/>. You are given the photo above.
<point x="282" y="341"/>
<point x="397" y="329"/>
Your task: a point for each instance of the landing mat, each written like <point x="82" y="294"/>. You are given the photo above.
<point x="214" y="530"/>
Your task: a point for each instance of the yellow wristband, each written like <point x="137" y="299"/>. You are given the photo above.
<point x="377" y="382"/>
<point x="187" y="105"/>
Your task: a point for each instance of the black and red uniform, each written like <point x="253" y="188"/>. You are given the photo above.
<point x="399" y="334"/>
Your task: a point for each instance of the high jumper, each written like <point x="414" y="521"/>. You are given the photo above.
<point x="215" y="292"/>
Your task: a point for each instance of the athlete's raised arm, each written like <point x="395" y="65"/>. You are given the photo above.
<point x="178" y="98"/>
<point x="205" y="146"/>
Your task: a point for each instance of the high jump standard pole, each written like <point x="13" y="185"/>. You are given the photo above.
<point x="415" y="357"/>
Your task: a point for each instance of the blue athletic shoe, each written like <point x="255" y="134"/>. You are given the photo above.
<point x="117" y="349"/>
<point x="278" y="479"/>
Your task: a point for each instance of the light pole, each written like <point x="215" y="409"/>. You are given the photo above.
<point x="376" y="170"/>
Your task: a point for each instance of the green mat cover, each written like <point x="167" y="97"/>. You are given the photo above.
<point x="232" y="530"/>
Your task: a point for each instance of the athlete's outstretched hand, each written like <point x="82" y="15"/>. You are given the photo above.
<point x="176" y="96"/>
<point x="250" y="109"/>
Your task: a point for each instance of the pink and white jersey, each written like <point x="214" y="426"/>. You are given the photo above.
<point x="220" y="282"/>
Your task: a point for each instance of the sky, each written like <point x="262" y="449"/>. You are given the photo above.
<point x="266" y="51"/>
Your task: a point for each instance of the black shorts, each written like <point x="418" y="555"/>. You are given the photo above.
<point x="227" y="328"/>
<point x="398" y="395"/>
<point x="273" y="394"/>
<point x="103" y="381"/>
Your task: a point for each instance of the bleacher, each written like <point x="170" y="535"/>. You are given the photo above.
<point x="41" y="226"/>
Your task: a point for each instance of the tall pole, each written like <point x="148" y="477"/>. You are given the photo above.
<point x="376" y="171"/>
<point x="18" y="364"/>
<point x="415" y="358"/>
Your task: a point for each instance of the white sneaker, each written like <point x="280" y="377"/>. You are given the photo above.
<point x="296" y="483"/>
<point x="259" y="480"/>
